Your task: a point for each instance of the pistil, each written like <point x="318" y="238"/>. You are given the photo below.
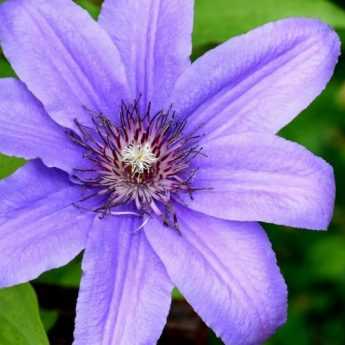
<point x="139" y="157"/>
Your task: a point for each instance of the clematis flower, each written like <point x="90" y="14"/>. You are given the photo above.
<point x="159" y="169"/>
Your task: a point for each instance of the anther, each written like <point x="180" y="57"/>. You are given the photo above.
<point x="138" y="157"/>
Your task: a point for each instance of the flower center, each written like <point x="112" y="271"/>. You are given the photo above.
<point x="143" y="162"/>
<point x="138" y="157"/>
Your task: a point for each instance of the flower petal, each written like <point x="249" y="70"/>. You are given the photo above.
<point x="227" y="271"/>
<point x="125" y="292"/>
<point x="261" y="177"/>
<point x="27" y="131"/>
<point x="40" y="229"/>
<point x="258" y="81"/>
<point x="64" y="57"/>
<point x="29" y="184"/>
<point x="154" y="40"/>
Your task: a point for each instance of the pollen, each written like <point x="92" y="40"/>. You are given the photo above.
<point x="138" y="157"/>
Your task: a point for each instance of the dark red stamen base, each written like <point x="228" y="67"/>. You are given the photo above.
<point x="113" y="178"/>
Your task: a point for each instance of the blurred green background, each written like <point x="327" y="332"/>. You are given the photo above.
<point x="313" y="263"/>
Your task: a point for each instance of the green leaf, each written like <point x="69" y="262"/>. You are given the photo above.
<point x="89" y="6"/>
<point x="327" y="258"/>
<point x="5" y="68"/>
<point x="67" y="276"/>
<point x="49" y="318"/>
<point x="176" y="295"/>
<point x="218" y="20"/>
<point x="8" y="165"/>
<point x="20" y="322"/>
<point x="296" y="328"/>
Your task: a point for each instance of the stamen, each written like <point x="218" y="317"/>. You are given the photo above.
<point x="139" y="157"/>
<point x="144" y="161"/>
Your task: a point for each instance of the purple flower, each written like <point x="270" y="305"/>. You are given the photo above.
<point x="160" y="170"/>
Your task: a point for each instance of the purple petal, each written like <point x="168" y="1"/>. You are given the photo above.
<point x="261" y="177"/>
<point x="154" y="40"/>
<point x="27" y="131"/>
<point x="29" y="184"/>
<point x="64" y="57"/>
<point x="227" y="271"/>
<point x="125" y="292"/>
<point x="258" y="81"/>
<point x="40" y="229"/>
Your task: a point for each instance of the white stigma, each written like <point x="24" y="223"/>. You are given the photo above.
<point x="139" y="157"/>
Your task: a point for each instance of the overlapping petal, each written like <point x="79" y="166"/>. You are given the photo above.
<point x="154" y="40"/>
<point x="40" y="229"/>
<point x="227" y="271"/>
<point x="258" y="81"/>
<point x="125" y="292"/>
<point x="64" y="57"/>
<point x="261" y="177"/>
<point x="225" y="268"/>
<point x="27" y="131"/>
